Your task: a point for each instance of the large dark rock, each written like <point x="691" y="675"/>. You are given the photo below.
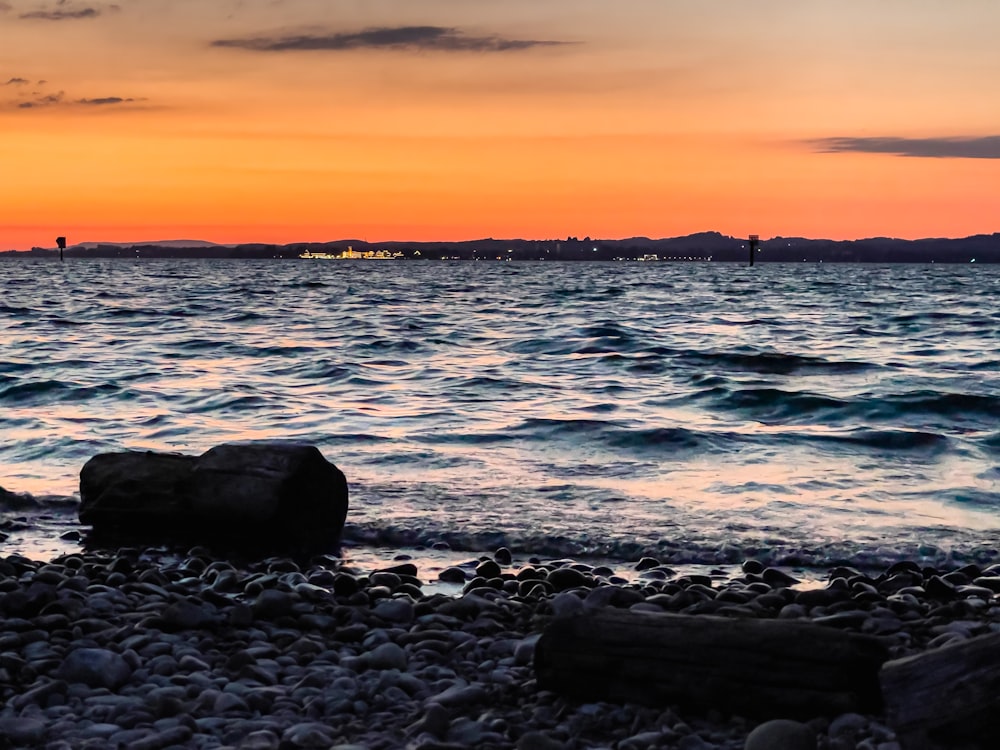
<point x="278" y="492"/>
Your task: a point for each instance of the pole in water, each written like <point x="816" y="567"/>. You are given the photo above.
<point x="61" y="241"/>
<point x="754" y="241"/>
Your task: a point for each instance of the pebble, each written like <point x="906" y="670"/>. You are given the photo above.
<point x="140" y="649"/>
<point x="387" y="656"/>
<point x="96" y="667"/>
<point x="781" y="734"/>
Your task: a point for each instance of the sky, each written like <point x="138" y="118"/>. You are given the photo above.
<point x="313" y="120"/>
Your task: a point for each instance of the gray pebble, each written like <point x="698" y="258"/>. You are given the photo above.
<point x="308" y="735"/>
<point x="536" y="740"/>
<point x="566" y="604"/>
<point x="96" y="667"/>
<point x="23" y="731"/>
<point x="394" y="610"/>
<point x="387" y="656"/>
<point x="781" y="734"/>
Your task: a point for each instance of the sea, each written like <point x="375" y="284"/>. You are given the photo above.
<point x="700" y="413"/>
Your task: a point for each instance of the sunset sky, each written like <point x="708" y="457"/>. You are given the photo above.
<point x="312" y="120"/>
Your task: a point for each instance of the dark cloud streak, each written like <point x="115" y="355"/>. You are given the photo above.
<point x="44" y="101"/>
<point x="65" y="11"/>
<point x="59" y="99"/>
<point x="420" y="38"/>
<point x="104" y="100"/>
<point x="60" y="15"/>
<point x="984" y="147"/>
<point x="17" y="82"/>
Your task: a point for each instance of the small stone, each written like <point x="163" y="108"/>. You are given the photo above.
<point x="778" y="578"/>
<point x="435" y="721"/>
<point x="387" y="656"/>
<point x="642" y="741"/>
<point x="262" y="739"/>
<point x="566" y="604"/>
<point x="646" y="563"/>
<point x="781" y="734"/>
<point x="503" y="556"/>
<point x="693" y="742"/>
<point x="488" y="569"/>
<point x="562" y="579"/>
<point x="403" y="569"/>
<point x="535" y="740"/>
<point x="186" y="615"/>
<point x="308" y="734"/>
<point x="22" y="731"/>
<point x="394" y="610"/>
<point x="454" y="574"/>
<point x="96" y="667"/>
<point x="459" y="695"/>
<point x="847" y="724"/>
<point x="272" y="603"/>
<point x="940" y="588"/>
<point x="466" y="732"/>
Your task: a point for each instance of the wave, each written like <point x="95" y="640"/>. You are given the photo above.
<point x="773" y="363"/>
<point x="773" y="404"/>
<point x="35" y="391"/>
<point x="885" y="440"/>
<point x="743" y="545"/>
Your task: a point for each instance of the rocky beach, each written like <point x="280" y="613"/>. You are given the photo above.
<point x="149" y="648"/>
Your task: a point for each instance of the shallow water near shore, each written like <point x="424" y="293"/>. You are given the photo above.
<point x="701" y="413"/>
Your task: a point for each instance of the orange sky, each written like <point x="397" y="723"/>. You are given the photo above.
<point x="256" y="120"/>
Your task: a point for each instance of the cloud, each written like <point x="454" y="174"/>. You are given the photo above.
<point x="4" y="7"/>
<point x="983" y="147"/>
<point x="104" y="100"/>
<point x="59" y="99"/>
<point x="422" y="38"/>
<point x="66" y="11"/>
<point x="43" y="101"/>
<point x="17" y="82"/>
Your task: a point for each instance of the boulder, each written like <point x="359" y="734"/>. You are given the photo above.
<point x="132" y="488"/>
<point x="282" y="493"/>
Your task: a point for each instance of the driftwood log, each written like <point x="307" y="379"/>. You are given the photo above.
<point x="759" y="668"/>
<point x="946" y="698"/>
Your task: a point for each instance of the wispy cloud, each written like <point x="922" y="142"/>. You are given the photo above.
<point x="420" y="38"/>
<point x="47" y="100"/>
<point x="983" y="147"/>
<point x="59" y="99"/>
<point x="64" y="10"/>
<point x="105" y="100"/>
<point x="17" y="82"/>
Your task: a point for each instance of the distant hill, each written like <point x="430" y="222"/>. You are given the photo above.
<point x="157" y="243"/>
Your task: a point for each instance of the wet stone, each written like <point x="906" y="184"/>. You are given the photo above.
<point x="562" y="579"/>
<point x="453" y="574"/>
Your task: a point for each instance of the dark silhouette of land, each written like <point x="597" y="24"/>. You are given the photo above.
<point x="701" y="247"/>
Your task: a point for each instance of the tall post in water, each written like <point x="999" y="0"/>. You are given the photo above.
<point x="61" y="241"/>
<point x="754" y="241"/>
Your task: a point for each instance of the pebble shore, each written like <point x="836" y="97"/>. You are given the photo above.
<point x="147" y="650"/>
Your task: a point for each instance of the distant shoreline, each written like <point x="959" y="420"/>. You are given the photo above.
<point x="701" y="247"/>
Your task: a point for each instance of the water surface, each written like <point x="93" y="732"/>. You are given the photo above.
<point x="699" y="410"/>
